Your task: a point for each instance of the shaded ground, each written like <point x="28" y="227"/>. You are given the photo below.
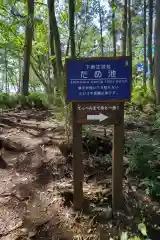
<point x="36" y="186"/>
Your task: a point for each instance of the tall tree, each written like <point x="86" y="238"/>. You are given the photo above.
<point x="101" y="27"/>
<point x="71" y="27"/>
<point x="55" y="38"/>
<point x="6" y="70"/>
<point x="113" y="6"/>
<point x="150" y="31"/>
<point x="157" y="51"/>
<point x="124" y="28"/>
<point x="20" y="74"/>
<point x="51" y="38"/>
<point x="129" y="29"/>
<point x="145" y="45"/>
<point x="28" y="46"/>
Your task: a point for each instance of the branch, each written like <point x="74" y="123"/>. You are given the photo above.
<point x="80" y="42"/>
<point x="43" y="4"/>
<point x="67" y="49"/>
<point x="41" y="79"/>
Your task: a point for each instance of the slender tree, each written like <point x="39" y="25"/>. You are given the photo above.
<point x="6" y="70"/>
<point x="113" y="5"/>
<point x="129" y="29"/>
<point x="101" y="28"/>
<point x="124" y="28"/>
<point x="51" y="38"/>
<point x="150" y="31"/>
<point x="55" y="43"/>
<point x="157" y="51"/>
<point x="28" y="46"/>
<point x="71" y="27"/>
<point x="145" y="45"/>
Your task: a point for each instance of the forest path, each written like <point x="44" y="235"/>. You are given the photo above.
<point x="36" y="186"/>
<point x="28" y="192"/>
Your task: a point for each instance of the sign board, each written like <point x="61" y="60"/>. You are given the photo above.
<point x="97" y="113"/>
<point x="98" y="79"/>
<point x="98" y="88"/>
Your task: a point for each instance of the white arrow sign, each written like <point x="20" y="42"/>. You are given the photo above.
<point x="101" y="117"/>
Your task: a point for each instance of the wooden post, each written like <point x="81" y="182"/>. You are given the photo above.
<point x="117" y="162"/>
<point x="78" y="168"/>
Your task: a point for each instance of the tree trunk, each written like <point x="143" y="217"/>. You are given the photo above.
<point x="71" y="28"/>
<point x="113" y="28"/>
<point x="51" y="38"/>
<point x="150" y="31"/>
<point x="129" y="29"/>
<point x="157" y="51"/>
<point x="55" y="38"/>
<point x="124" y="30"/>
<point x="20" y="75"/>
<point x="28" y="46"/>
<point x="101" y="29"/>
<point x="145" y="47"/>
<point x="6" y="70"/>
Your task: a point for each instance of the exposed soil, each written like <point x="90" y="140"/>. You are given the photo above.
<point x="36" y="196"/>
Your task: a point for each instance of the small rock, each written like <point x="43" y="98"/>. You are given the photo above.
<point x="89" y="230"/>
<point x="31" y="234"/>
<point x="24" y="230"/>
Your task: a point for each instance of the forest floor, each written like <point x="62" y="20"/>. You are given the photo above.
<point x="36" y="187"/>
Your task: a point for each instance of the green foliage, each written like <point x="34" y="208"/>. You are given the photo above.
<point x="142" y="228"/>
<point x="64" y="114"/>
<point x="37" y="100"/>
<point x="152" y="187"/>
<point x="142" y="151"/>
<point x="143" y="157"/>
<point x="143" y="231"/>
<point x="140" y="95"/>
<point x="33" y="100"/>
<point x="8" y="101"/>
<point x="157" y="118"/>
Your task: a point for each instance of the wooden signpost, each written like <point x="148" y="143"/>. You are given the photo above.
<point x="97" y="113"/>
<point x="98" y="88"/>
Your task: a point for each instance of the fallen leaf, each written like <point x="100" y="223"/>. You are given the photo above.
<point x="142" y="229"/>
<point x="124" y="236"/>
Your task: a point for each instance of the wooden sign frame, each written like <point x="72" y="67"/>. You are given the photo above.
<point x="118" y="146"/>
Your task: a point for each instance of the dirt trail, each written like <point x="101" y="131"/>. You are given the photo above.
<point x="36" y="186"/>
<point x="28" y="195"/>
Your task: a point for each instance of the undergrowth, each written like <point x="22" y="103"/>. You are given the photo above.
<point x="140" y="97"/>
<point x="143" y="158"/>
<point x="142" y="234"/>
<point x="33" y="100"/>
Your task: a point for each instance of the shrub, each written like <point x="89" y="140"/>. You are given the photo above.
<point x="7" y="100"/>
<point x="143" y="151"/>
<point x="36" y="100"/>
<point x="157" y="118"/>
<point x="143" y="157"/>
<point x="152" y="187"/>
<point x="142" y="236"/>
<point x="140" y="95"/>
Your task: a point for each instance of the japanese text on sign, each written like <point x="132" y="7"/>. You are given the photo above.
<point x="96" y="108"/>
<point x="98" y="79"/>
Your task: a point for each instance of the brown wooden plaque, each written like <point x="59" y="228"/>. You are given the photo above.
<point x="98" y="113"/>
